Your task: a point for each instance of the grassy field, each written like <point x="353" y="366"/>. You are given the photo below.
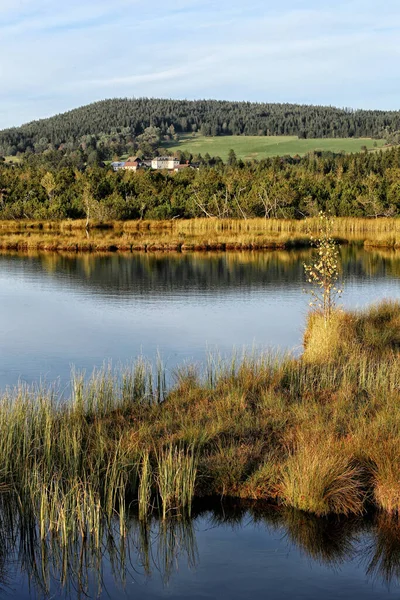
<point x="257" y="147"/>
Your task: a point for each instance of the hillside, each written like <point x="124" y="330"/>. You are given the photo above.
<point x="112" y="127"/>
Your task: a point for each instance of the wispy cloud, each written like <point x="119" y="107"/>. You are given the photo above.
<point x="62" y="55"/>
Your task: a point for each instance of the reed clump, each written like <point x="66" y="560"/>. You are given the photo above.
<point x="176" y="478"/>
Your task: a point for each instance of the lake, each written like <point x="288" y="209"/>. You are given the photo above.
<point x="224" y="551"/>
<point x="63" y="310"/>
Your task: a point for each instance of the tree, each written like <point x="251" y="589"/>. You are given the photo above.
<point x="88" y="201"/>
<point x="323" y="271"/>
<point x="149" y="140"/>
<point x="232" y="160"/>
<point x="49" y="184"/>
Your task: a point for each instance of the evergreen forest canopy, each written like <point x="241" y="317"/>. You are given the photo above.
<point x="47" y="186"/>
<point x="113" y="127"/>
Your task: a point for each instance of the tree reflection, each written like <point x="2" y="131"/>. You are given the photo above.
<point x="137" y="274"/>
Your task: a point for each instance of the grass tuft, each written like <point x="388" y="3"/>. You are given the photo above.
<point x="319" y="478"/>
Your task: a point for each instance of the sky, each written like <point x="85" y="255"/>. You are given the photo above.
<point x="55" y="56"/>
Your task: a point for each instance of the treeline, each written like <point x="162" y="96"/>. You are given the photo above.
<point x="113" y="127"/>
<point x="365" y="184"/>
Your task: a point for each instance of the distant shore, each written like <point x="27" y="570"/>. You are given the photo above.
<point x="189" y="235"/>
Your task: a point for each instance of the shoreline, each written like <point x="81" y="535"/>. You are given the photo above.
<point x="179" y="248"/>
<point x="200" y="235"/>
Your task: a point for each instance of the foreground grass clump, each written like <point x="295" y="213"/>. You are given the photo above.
<point x="318" y="435"/>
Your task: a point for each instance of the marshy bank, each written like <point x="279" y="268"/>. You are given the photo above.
<point x="318" y="433"/>
<point x="181" y="235"/>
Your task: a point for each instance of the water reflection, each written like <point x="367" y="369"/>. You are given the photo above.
<point x="140" y="273"/>
<point x="382" y="557"/>
<point x="157" y="556"/>
<point x="123" y="271"/>
<point x="58" y="310"/>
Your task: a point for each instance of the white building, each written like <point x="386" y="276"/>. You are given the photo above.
<point x="164" y="162"/>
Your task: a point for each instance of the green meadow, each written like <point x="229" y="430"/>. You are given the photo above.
<point x="258" y="147"/>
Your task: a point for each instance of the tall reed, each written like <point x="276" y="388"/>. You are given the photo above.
<point x="176" y="478"/>
<point x="145" y="486"/>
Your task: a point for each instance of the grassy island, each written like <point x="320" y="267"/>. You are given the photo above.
<point x="319" y="432"/>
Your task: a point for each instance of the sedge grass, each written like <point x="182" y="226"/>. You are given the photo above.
<point x="176" y="478"/>
<point x="319" y="478"/>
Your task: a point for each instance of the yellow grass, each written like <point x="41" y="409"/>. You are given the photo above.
<point x="194" y="234"/>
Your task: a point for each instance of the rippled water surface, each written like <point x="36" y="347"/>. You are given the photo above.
<point x="61" y="310"/>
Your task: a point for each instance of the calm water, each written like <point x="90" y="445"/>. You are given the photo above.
<point x="224" y="553"/>
<point x="58" y="310"/>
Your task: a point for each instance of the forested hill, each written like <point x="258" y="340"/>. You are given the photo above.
<point x="116" y="124"/>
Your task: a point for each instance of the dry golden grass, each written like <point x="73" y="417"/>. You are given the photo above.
<point x="192" y="234"/>
<point x="324" y="341"/>
<point x="386" y="474"/>
<point x="375" y="331"/>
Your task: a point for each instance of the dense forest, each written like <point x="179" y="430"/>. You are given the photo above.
<point x="46" y="186"/>
<point x="114" y="127"/>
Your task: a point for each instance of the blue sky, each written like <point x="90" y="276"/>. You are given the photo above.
<point x="59" y="55"/>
